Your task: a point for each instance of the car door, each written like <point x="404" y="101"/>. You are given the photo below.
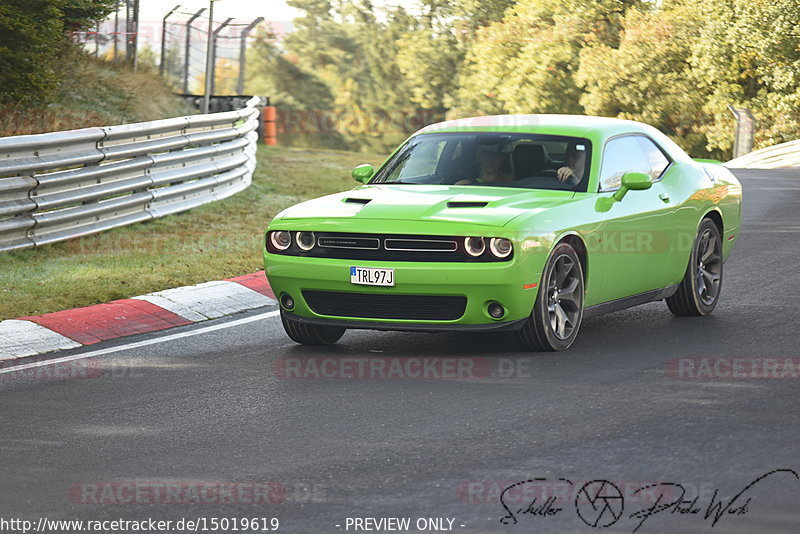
<point x="634" y="245"/>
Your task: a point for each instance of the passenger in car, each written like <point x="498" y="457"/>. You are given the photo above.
<point x="574" y="162"/>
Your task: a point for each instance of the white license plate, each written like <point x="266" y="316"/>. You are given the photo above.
<point x="368" y="276"/>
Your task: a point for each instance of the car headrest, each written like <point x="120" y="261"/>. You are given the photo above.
<point x="529" y="159"/>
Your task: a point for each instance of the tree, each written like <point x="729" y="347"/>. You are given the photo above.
<point x="429" y="56"/>
<point x="675" y="64"/>
<point x="526" y="63"/>
<point x="652" y="79"/>
<point x="79" y="14"/>
<point x="748" y="54"/>
<point x="680" y="66"/>
<point x="33" y="35"/>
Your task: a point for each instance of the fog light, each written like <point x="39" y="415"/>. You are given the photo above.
<point x="496" y="310"/>
<point x="474" y="246"/>
<point x="305" y="240"/>
<point x="287" y="302"/>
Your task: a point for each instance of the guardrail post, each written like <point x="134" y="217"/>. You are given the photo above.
<point x="745" y="126"/>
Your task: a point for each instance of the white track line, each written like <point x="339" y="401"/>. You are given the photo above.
<point x="138" y="344"/>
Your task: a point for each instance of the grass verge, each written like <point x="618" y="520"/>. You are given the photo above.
<point x="97" y="93"/>
<point x="214" y="241"/>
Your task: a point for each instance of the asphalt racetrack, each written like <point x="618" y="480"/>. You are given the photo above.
<point x="649" y="423"/>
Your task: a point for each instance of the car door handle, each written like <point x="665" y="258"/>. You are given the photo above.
<point x="664" y="197"/>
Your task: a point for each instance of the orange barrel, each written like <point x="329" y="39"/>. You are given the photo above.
<point x="270" y="126"/>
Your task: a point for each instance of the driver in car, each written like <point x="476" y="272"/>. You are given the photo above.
<point x="491" y="159"/>
<point x="574" y="162"/>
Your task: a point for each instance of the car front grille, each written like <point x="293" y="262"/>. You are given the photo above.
<point x="377" y="306"/>
<point x="420" y="245"/>
<point x="352" y="243"/>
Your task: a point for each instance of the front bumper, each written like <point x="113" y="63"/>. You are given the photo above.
<point x="402" y="326"/>
<point x="512" y="284"/>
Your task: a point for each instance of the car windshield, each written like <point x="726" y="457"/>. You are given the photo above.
<point x="491" y="159"/>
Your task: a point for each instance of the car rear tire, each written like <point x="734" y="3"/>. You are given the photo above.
<point x="558" y="309"/>
<point x="699" y="290"/>
<point x="311" y="334"/>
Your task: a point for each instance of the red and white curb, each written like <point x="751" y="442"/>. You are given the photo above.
<point x="28" y="336"/>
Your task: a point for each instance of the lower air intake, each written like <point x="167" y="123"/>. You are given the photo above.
<point x="373" y="306"/>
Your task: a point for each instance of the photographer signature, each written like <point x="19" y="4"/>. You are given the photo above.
<point x="600" y="503"/>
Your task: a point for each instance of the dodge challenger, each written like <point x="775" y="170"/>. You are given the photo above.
<point x="524" y="223"/>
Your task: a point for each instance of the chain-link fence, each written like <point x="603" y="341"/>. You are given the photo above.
<point x="178" y="44"/>
<point x="115" y="38"/>
<point x="183" y="48"/>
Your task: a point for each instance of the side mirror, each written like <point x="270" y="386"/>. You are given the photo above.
<point x="363" y="173"/>
<point x="632" y="181"/>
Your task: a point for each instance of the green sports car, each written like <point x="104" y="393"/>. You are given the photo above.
<point x="526" y="223"/>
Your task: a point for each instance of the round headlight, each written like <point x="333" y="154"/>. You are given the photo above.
<point x="305" y="240"/>
<point x="500" y="247"/>
<point x="475" y="246"/>
<point x="281" y="239"/>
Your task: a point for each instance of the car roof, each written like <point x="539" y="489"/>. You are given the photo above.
<point x="539" y="123"/>
<point x="596" y="129"/>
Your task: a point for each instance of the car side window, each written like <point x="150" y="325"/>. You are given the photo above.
<point x="658" y="161"/>
<point x="621" y="155"/>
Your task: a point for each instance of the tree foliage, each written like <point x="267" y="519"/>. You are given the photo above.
<point x="33" y="36"/>
<point x="675" y="64"/>
<point x="648" y="76"/>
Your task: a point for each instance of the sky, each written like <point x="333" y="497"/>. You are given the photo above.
<point x="151" y="12"/>
<point x="274" y="10"/>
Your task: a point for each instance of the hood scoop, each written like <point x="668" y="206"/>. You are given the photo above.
<point x="361" y="201"/>
<point x="467" y="204"/>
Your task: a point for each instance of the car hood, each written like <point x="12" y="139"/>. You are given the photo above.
<point x="490" y="206"/>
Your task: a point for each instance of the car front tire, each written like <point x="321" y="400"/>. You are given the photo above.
<point x="699" y="290"/>
<point x="311" y="334"/>
<point x="558" y="309"/>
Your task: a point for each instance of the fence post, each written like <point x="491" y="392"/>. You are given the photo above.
<point x="128" y="32"/>
<point x="116" y="30"/>
<point x="243" y="54"/>
<point x="135" y="35"/>
<point x="188" y="49"/>
<point x="164" y="39"/>
<point x="213" y="70"/>
<point x="97" y="39"/>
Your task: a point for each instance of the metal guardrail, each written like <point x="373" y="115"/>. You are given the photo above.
<point x="61" y="185"/>
<point x="774" y="157"/>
